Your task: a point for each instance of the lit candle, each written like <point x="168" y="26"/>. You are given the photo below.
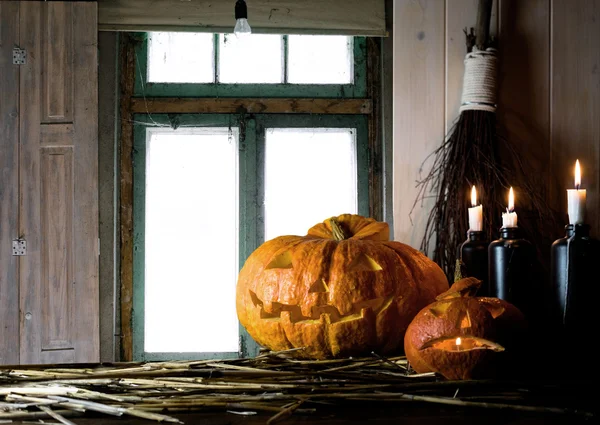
<point x="458" y="342"/>
<point x="475" y="213"/>
<point x="576" y="198"/>
<point x="509" y="218"/>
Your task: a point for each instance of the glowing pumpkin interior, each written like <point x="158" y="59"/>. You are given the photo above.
<point x="462" y="344"/>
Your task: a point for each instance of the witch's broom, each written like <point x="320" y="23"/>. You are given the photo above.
<point x="471" y="155"/>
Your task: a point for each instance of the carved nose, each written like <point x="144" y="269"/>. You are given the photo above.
<point x="318" y="286"/>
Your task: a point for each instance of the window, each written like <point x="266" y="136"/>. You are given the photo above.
<point x="210" y="187"/>
<point x="185" y="275"/>
<point x="261" y="65"/>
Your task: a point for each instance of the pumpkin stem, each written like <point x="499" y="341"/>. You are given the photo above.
<point x="336" y="230"/>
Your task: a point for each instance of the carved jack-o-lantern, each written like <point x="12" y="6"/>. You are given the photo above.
<point x="343" y="289"/>
<point x="462" y="336"/>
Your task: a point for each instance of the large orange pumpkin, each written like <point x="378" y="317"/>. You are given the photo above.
<point x="343" y="289"/>
<point x="461" y="336"/>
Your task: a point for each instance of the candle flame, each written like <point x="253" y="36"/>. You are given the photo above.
<point x="577" y="175"/>
<point x="473" y="197"/>
<point x="511" y="200"/>
<point x="458" y="341"/>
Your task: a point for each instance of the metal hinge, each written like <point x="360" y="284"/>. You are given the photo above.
<point x="19" y="247"/>
<point x="19" y="56"/>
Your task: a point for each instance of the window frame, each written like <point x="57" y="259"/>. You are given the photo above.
<point x="132" y="106"/>
<point x="356" y="90"/>
<point x="251" y="168"/>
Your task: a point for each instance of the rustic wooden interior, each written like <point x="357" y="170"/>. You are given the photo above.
<point x="66" y="141"/>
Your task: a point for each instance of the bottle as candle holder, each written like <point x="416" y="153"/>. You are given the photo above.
<point x="511" y="261"/>
<point x="473" y="252"/>
<point x="573" y="291"/>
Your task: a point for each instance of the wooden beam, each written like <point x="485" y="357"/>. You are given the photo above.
<point x="181" y="105"/>
<point x="374" y="135"/>
<point x="126" y="197"/>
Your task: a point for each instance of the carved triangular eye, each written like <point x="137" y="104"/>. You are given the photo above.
<point x="465" y="321"/>
<point x="495" y="309"/>
<point x="255" y="300"/>
<point x="364" y="263"/>
<point x="441" y="309"/>
<point x="318" y="286"/>
<point x="281" y="261"/>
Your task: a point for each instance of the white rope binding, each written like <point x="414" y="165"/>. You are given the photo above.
<point x="479" y="82"/>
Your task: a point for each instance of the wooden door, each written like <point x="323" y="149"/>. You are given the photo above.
<point x="9" y="183"/>
<point x="58" y="182"/>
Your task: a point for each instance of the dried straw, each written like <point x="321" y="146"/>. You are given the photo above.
<point x="272" y="383"/>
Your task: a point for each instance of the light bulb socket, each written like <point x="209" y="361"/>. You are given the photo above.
<point x="241" y="10"/>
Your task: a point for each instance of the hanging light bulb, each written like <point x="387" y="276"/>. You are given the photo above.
<point x="242" y="28"/>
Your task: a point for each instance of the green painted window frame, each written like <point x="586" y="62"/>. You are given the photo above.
<point x="358" y="89"/>
<point x="251" y="171"/>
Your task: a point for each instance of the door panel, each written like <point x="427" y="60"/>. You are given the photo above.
<point x="59" y="207"/>
<point x="57" y="59"/>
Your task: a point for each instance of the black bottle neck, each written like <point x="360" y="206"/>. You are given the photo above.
<point x="577" y="230"/>
<point x="510" y="233"/>
<point x="475" y="236"/>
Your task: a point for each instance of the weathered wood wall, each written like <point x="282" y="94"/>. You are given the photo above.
<point x="48" y="187"/>
<point x="549" y="93"/>
<point x="9" y="184"/>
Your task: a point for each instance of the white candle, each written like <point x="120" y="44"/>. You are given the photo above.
<point x="576" y="199"/>
<point x="509" y="218"/>
<point x="475" y="213"/>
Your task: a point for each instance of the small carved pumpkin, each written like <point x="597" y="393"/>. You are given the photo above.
<point x="461" y="336"/>
<point x="343" y="289"/>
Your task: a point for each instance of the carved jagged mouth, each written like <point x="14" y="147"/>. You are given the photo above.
<point x="467" y="343"/>
<point x="377" y="305"/>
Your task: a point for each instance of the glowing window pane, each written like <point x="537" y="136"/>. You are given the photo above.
<point x="180" y="57"/>
<point x="255" y="58"/>
<point x="320" y="59"/>
<point x="310" y="175"/>
<point x="191" y="240"/>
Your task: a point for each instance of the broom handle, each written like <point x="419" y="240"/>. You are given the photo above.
<point x="484" y="13"/>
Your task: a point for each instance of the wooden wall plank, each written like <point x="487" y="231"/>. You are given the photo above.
<point x="127" y="62"/>
<point x="524" y="107"/>
<point x="85" y="136"/>
<point x="182" y="105"/>
<point x="419" y="127"/>
<point x="57" y="75"/>
<point x="108" y="188"/>
<point x="575" y="102"/>
<point x="524" y="80"/>
<point x="9" y="184"/>
<point x="30" y="226"/>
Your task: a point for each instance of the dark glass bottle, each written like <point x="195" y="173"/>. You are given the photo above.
<point x="474" y="255"/>
<point x="574" y="286"/>
<point x="511" y="262"/>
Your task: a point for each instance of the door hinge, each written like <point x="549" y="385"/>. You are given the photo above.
<point x="19" y="247"/>
<point x="19" y="56"/>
